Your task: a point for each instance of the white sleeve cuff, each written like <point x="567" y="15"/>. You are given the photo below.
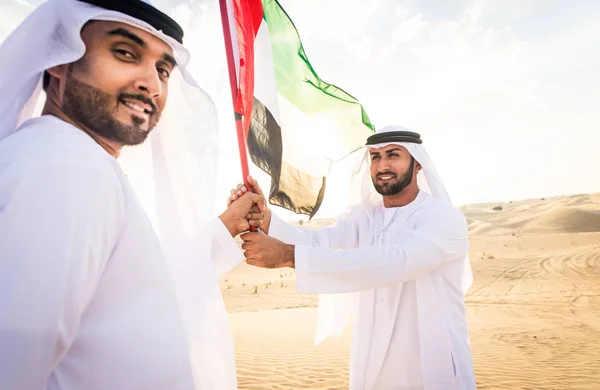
<point x="225" y="251"/>
<point x="277" y="228"/>
<point x="301" y="259"/>
<point x="289" y="234"/>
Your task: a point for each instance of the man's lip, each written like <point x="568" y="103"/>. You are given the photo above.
<point x="148" y="109"/>
<point x="389" y="177"/>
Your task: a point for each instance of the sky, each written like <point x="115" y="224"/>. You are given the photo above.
<point x="505" y="93"/>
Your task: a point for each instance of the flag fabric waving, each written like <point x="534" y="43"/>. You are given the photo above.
<point x="296" y="125"/>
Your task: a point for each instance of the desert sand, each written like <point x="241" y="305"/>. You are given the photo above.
<point x="533" y="309"/>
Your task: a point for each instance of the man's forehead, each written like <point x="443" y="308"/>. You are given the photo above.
<point x="386" y="148"/>
<point x="103" y="29"/>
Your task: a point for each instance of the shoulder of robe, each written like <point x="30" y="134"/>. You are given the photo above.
<point x="436" y="212"/>
<point x="34" y="159"/>
<point x="38" y="148"/>
<point x="355" y="213"/>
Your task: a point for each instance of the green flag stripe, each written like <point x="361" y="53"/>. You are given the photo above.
<point x="296" y="79"/>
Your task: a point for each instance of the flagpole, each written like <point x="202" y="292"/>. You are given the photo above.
<point x="234" y="93"/>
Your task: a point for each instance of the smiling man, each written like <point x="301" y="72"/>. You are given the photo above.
<point x="118" y="90"/>
<point x="108" y="280"/>
<point x="397" y="261"/>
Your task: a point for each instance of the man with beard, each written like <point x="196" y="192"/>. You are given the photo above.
<point x="108" y="280"/>
<point x="397" y="261"/>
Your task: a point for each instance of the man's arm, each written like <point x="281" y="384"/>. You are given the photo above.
<point x="58" y="227"/>
<point x="225" y="251"/>
<point x="438" y="239"/>
<point x="441" y="236"/>
<point x="337" y="236"/>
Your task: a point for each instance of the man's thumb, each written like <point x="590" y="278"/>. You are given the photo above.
<point x="259" y="200"/>
<point x="254" y="185"/>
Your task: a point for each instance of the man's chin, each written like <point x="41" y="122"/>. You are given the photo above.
<point x="133" y="139"/>
<point x="133" y="122"/>
<point x="128" y="134"/>
<point x="386" y="189"/>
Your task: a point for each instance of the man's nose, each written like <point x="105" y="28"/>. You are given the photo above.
<point x="383" y="166"/>
<point x="148" y="82"/>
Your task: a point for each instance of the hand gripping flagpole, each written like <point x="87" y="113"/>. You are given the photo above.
<point x="241" y="137"/>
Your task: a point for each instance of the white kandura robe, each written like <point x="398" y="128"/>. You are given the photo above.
<point x="86" y="299"/>
<point x="406" y="263"/>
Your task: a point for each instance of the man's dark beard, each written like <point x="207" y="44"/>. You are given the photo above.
<point x="96" y="110"/>
<point x="399" y="185"/>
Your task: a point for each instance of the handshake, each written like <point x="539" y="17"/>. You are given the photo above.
<point x="249" y="209"/>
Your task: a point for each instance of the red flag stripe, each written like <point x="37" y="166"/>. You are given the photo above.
<point x="248" y="16"/>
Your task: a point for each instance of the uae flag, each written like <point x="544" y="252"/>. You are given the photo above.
<point x="296" y="125"/>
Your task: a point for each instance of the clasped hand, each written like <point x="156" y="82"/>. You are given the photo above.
<point x="260" y="249"/>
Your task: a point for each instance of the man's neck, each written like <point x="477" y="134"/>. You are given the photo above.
<point x="51" y="108"/>
<point x="405" y="197"/>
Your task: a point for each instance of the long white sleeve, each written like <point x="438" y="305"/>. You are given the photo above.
<point x="58" y="227"/>
<point x="333" y="237"/>
<point x="226" y="253"/>
<point x="440" y="236"/>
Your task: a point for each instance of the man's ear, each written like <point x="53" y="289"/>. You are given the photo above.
<point x="59" y="75"/>
<point x="58" y="72"/>
<point x="417" y="166"/>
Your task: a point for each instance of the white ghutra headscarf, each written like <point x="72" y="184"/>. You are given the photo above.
<point x="173" y="173"/>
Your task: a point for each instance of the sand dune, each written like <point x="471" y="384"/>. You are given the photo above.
<point x="565" y="220"/>
<point x="481" y="227"/>
<point x="534" y="307"/>
<point x="276" y="351"/>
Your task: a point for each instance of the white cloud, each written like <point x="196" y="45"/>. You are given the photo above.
<point x="506" y="8"/>
<point x="11" y="15"/>
<point x="402" y="12"/>
<point x="332" y="20"/>
<point x="408" y="29"/>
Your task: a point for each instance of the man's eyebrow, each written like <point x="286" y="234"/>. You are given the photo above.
<point x="168" y="58"/>
<point x="393" y="150"/>
<point x="129" y="35"/>
<point x="133" y="37"/>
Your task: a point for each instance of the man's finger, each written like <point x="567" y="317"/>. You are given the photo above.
<point x="258" y="199"/>
<point x="253" y="256"/>
<point x="256" y="222"/>
<point x="255" y="216"/>
<point x="248" y="252"/>
<point x="250" y="236"/>
<point x="254" y="185"/>
<point x="255" y="262"/>
<point x="248" y="246"/>
<point x="245" y="227"/>
<point x="236" y="193"/>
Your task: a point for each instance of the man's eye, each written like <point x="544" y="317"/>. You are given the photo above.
<point x="124" y="53"/>
<point x="164" y="72"/>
